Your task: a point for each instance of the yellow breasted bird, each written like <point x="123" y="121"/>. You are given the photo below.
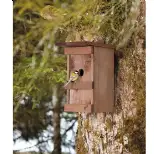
<point x="73" y="77"/>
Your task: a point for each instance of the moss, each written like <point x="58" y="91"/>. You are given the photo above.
<point x="80" y="143"/>
<point x="136" y="151"/>
<point x="80" y="148"/>
<point x="138" y="134"/>
<point x="129" y="71"/>
<point x="119" y="135"/>
<point x="104" y="145"/>
<point x="108" y="124"/>
<point x="87" y="125"/>
<point x="135" y="77"/>
<point x="94" y="149"/>
<point x="135" y="126"/>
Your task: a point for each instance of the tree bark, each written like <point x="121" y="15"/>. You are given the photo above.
<point x="123" y="131"/>
<point x="57" y="99"/>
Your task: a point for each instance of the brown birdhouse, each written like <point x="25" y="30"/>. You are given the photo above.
<point x="93" y="89"/>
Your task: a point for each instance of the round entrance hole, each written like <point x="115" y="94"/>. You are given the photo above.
<point x="81" y="72"/>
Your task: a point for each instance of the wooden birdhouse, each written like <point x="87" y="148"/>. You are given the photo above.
<point x="93" y="91"/>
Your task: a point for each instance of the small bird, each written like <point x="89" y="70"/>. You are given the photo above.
<point x="73" y="77"/>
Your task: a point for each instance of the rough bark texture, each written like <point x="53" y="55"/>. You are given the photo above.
<point x="123" y="131"/>
<point x="56" y="125"/>
<point x="57" y="99"/>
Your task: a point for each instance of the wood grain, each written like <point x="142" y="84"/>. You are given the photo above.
<point x="78" y="50"/>
<point x="68" y="76"/>
<point x="78" y="108"/>
<point x="103" y="79"/>
<point x="85" y="43"/>
<point x="80" y="85"/>
<point x="81" y="62"/>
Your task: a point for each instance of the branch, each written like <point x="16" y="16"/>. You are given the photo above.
<point x="17" y="138"/>
<point x="39" y="142"/>
<point x="52" y="109"/>
<point x="68" y="129"/>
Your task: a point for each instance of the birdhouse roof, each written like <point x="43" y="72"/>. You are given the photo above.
<point x="83" y="44"/>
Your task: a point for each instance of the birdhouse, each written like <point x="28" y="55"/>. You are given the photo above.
<point x="93" y="91"/>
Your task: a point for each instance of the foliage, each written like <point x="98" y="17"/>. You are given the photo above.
<point x="39" y="64"/>
<point x="114" y="21"/>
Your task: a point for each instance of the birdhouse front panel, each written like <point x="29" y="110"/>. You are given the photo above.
<point x="82" y="95"/>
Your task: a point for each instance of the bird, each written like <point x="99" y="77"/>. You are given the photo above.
<point x="73" y="77"/>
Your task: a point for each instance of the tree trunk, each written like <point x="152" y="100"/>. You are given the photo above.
<point x="123" y="131"/>
<point x="57" y="100"/>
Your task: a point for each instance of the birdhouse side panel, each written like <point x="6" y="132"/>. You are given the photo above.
<point x="103" y="79"/>
<point x="68" y="76"/>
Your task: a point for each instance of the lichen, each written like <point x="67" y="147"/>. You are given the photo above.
<point x="80" y="143"/>
<point x="123" y="130"/>
<point x="108" y="124"/>
<point x="109" y="130"/>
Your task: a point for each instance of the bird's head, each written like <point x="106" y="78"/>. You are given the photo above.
<point x="76" y="72"/>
